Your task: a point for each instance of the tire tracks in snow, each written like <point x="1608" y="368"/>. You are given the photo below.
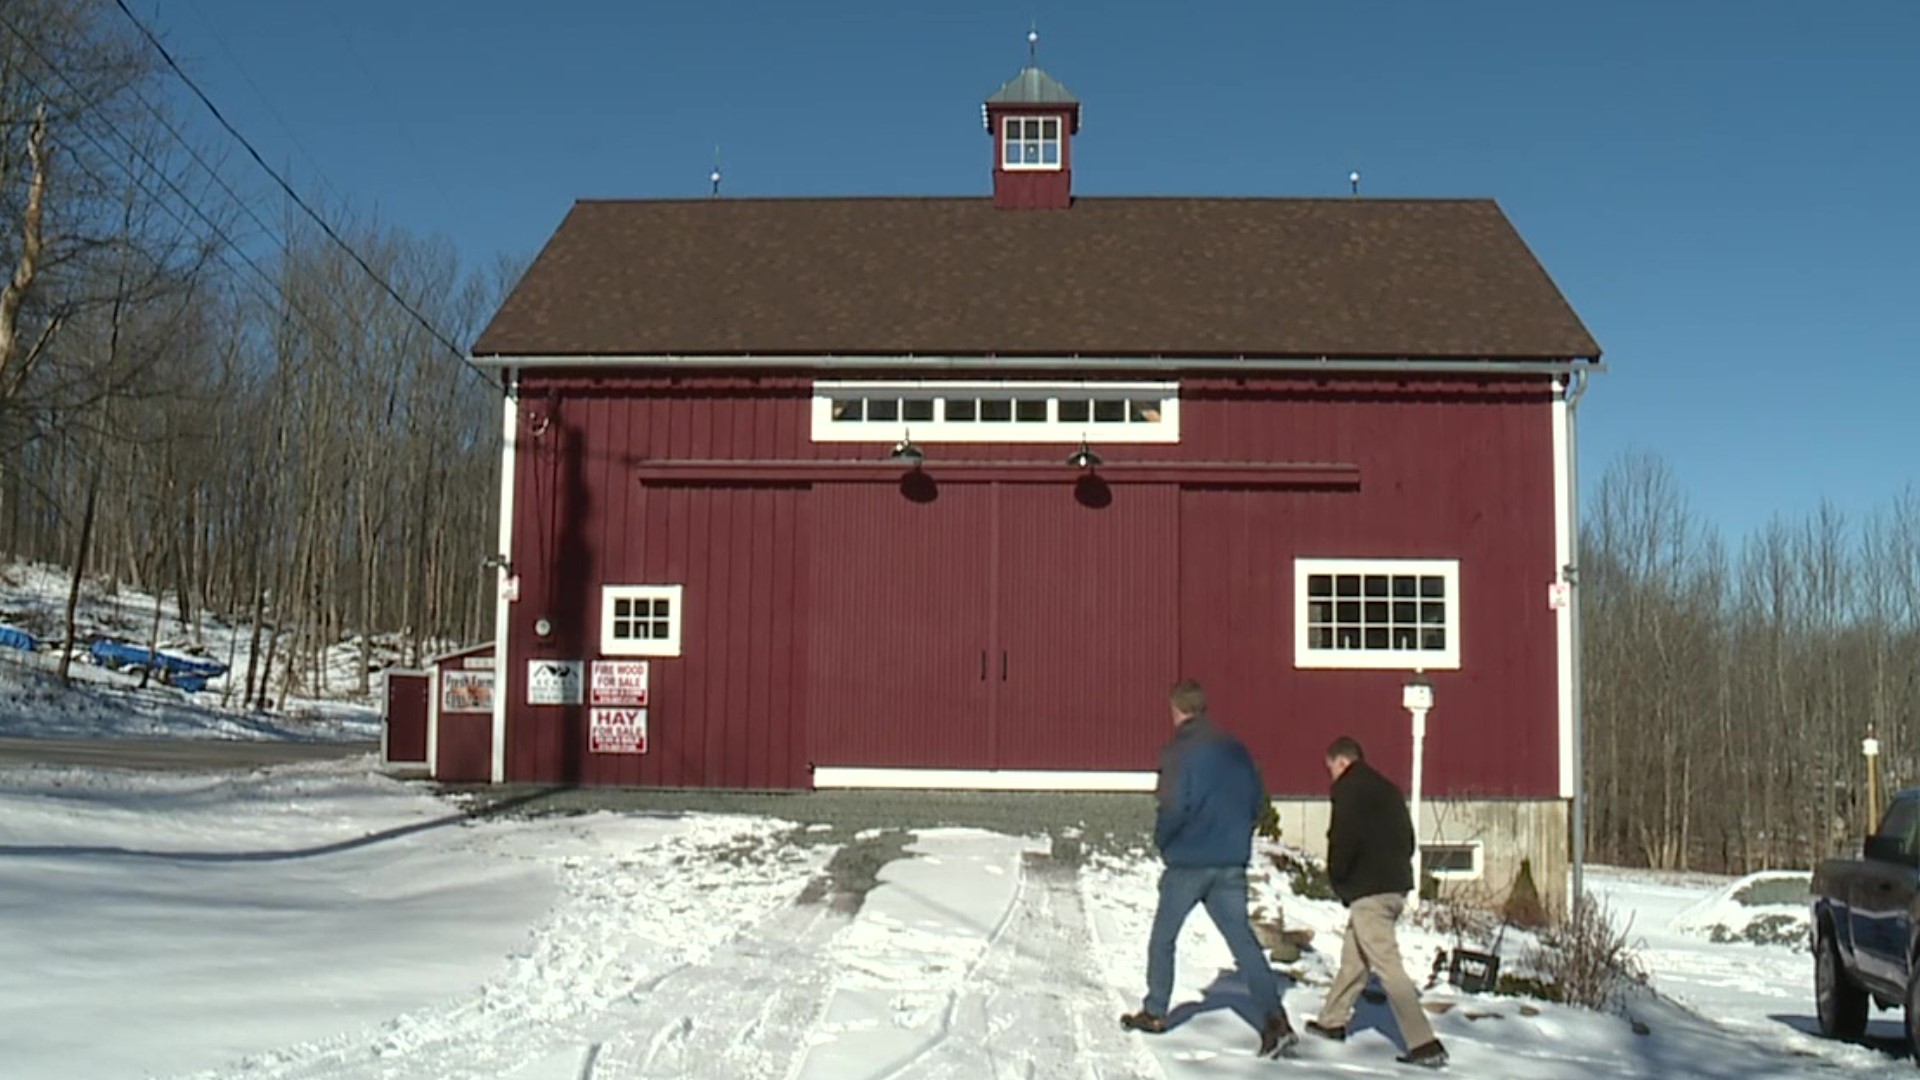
<point x="743" y="1015"/>
<point x="1033" y="1004"/>
<point x="614" y="943"/>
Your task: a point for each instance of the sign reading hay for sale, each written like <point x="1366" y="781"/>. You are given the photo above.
<point x="619" y="682"/>
<point x="618" y="731"/>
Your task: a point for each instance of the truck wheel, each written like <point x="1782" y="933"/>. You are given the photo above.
<point x="1842" y="1005"/>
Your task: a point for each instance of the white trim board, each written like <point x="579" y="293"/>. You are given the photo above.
<point x="1499" y="369"/>
<point x="1563" y="617"/>
<point x="502" y="608"/>
<point x="433" y="722"/>
<point x="830" y="776"/>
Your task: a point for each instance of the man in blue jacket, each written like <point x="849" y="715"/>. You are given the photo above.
<point x="1210" y="798"/>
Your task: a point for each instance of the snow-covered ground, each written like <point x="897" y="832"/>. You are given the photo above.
<point x="325" y="921"/>
<point x="104" y="703"/>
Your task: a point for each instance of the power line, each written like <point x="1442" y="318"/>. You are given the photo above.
<point x="274" y="298"/>
<point x="214" y="32"/>
<point x="326" y="228"/>
<point x="285" y="305"/>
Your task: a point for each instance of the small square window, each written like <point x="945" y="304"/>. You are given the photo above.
<point x="1050" y="153"/>
<point x="640" y="620"/>
<point x="883" y="409"/>
<point x="1109" y="411"/>
<point x="917" y="409"/>
<point x="1075" y="410"/>
<point x="997" y="410"/>
<point x="849" y="410"/>
<point x="1450" y="861"/>
<point x="1030" y="411"/>
<point x="960" y="409"/>
<point x="1013" y="152"/>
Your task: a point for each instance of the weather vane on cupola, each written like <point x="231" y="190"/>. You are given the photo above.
<point x="1033" y="45"/>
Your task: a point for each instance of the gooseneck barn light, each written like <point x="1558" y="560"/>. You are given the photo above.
<point x="905" y="451"/>
<point x="1084" y="458"/>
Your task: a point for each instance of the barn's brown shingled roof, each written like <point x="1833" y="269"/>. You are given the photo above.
<point x="1372" y="278"/>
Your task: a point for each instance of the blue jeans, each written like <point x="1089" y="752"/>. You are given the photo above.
<point x="1223" y="889"/>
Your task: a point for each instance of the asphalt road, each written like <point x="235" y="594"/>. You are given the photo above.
<point x="172" y="754"/>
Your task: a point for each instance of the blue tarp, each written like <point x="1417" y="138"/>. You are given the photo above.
<point x="182" y="671"/>
<point x="15" y="638"/>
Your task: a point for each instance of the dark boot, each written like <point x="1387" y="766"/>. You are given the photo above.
<point x="1336" y="1032"/>
<point x="1144" y="1021"/>
<point x="1276" y="1035"/>
<point x="1430" y="1054"/>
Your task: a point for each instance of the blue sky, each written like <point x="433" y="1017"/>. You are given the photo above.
<point x="1729" y="194"/>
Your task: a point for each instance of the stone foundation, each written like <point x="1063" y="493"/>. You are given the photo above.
<point x="1503" y="830"/>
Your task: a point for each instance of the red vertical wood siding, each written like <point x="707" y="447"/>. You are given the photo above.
<point x="727" y="711"/>
<point x="1441" y="477"/>
<point x="1086" y="623"/>
<point x="900" y="627"/>
<point x="1448" y="470"/>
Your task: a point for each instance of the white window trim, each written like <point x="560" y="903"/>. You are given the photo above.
<point x="1059" y="141"/>
<point x="1474" y="873"/>
<point x="1447" y="659"/>
<point x="942" y="430"/>
<point x="676" y="612"/>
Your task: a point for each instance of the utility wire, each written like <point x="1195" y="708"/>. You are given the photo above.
<point x="213" y="31"/>
<point x="292" y="194"/>
<point x="284" y="309"/>
<point x="335" y="301"/>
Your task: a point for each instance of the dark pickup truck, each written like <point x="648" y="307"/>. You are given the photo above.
<point x="1864" y="915"/>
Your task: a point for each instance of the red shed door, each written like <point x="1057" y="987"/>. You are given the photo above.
<point x="1087" y="623"/>
<point x="899" y="636"/>
<point x="406" y="719"/>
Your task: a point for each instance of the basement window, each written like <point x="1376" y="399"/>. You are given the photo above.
<point x="996" y="411"/>
<point x="1031" y="142"/>
<point x="1451" y="862"/>
<point x="1377" y="613"/>
<point x="640" y="620"/>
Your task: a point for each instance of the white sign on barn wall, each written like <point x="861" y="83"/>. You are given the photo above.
<point x="555" y="682"/>
<point x="619" y="682"/>
<point x="618" y="731"/>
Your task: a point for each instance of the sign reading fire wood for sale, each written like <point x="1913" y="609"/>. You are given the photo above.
<point x="618" y="731"/>
<point x="619" y="682"/>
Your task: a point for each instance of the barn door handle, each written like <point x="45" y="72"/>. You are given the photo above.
<point x="983" y="665"/>
<point x="1003" y="665"/>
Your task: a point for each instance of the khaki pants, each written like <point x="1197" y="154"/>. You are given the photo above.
<point x="1370" y="944"/>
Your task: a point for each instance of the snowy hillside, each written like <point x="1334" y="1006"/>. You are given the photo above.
<point x="107" y="703"/>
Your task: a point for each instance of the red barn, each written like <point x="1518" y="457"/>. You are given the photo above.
<point x="947" y="492"/>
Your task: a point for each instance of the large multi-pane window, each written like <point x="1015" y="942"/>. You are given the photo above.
<point x="1377" y="613"/>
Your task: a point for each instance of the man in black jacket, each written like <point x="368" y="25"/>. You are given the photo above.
<point x="1370" y="863"/>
